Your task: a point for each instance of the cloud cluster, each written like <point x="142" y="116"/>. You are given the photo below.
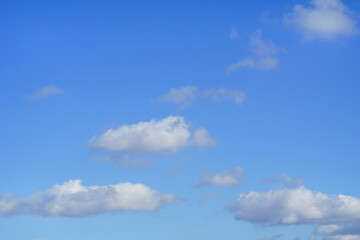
<point x="295" y="206"/>
<point x="223" y="179"/>
<point x="325" y="19"/>
<point x="46" y="91"/>
<point x="185" y="96"/>
<point x="72" y="199"/>
<point x="165" y="135"/>
<point x="264" y="55"/>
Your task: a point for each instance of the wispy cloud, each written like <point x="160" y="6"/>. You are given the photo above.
<point x="234" y="33"/>
<point x="223" y="179"/>
<point x="72" y="199"/>
<point x="324" y="19"/>
<point x="46" y="92"/>
<point x="272" y="238"/>
<point x="126" y="161"/>
<point x="285" y="181"/>
<point x="185" y="96"/>
<point x="295" y="206"/>
<point x="172" y="173"/>
<point x="263" y="57"/>
<point x="156" y="136"/>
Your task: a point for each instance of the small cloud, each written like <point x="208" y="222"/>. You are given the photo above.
<point x="223" y="179"/>
<point x="125" y="161"/>
<point x="267" y="63"/>
<point x="325" y="19"/>
<point x="348" y="231"/>
<point x="203" y="138"/>
<point x="72" y="199"/>
<point x="234" y="33"/>
<point x="153" y="137"/>
<point x="46" y="92"/>
<point x="264" y="55"/>
<point x="224" y="94"/>
<point x="183" y="96"/>
<point x="285" y="181"/>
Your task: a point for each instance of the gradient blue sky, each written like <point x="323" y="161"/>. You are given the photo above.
<point x="266" y="94"/>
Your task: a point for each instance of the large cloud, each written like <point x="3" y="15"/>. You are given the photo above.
<point x="295" y="206"/>
<point x="166" y="135"/>
<point x="326" y="19"/>
<point x="72" y="199"/>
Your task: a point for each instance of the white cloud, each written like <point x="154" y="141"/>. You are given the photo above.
<point x="166" y="135"/>
<point x="225" y="178"/>
<point x="234" y="33"/>
<point x="295" y="206"/>
<point x="185" y="96"/>
<point x="72" y="199"/>
<point x="46" y="91"/>
<point x="264" y="55"/>
<point x="325" y="19"/>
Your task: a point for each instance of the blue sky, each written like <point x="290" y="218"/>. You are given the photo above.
<point x="179" y="119"/>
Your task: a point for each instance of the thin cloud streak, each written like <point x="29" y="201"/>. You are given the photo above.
<point x="46" y="92"/>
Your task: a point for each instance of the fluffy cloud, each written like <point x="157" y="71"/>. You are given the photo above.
<point x="72" y="199"/>
<point x="185" y="96"/>
<point x="166" y="135"/>
<point x="295" y="206"/>
<point x="46" y="91"/>
<point x="264" y="55"/>
<point x="325" y="19"/>
<point x="225" y="178"/>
